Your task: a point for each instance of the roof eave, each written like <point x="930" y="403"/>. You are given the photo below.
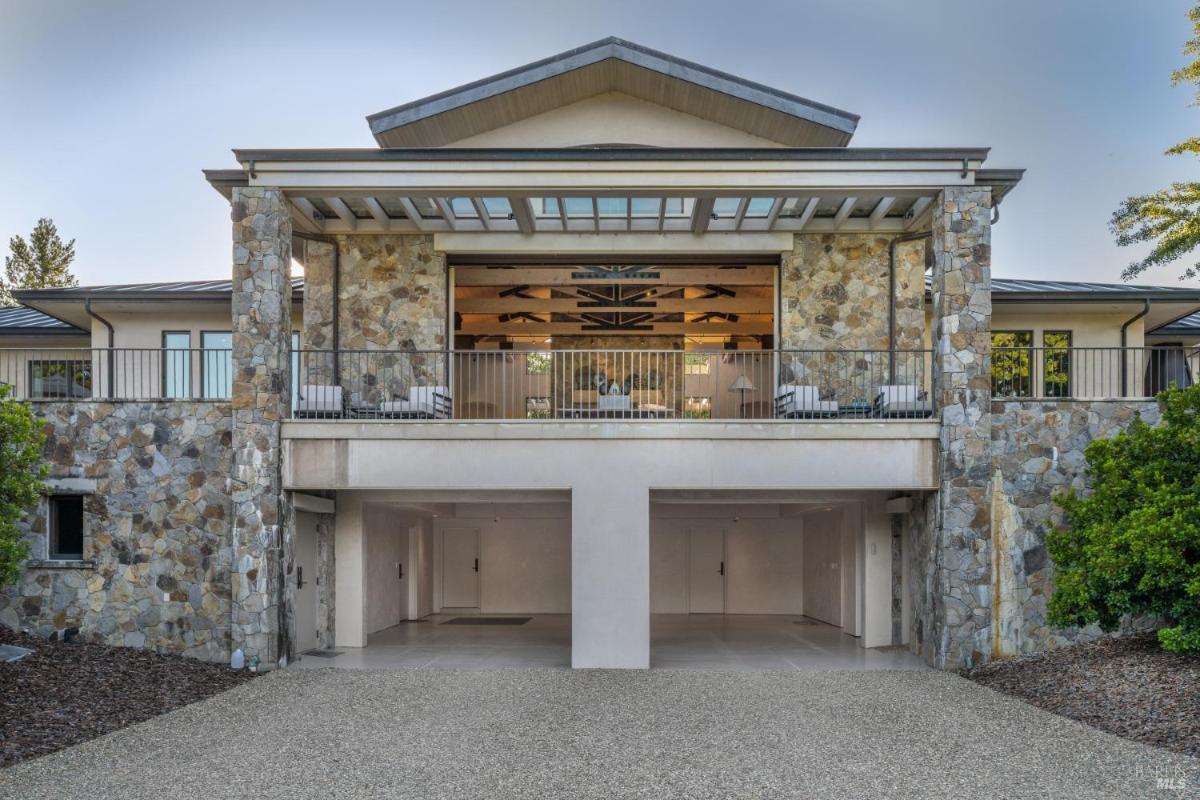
<point x="617" y="49"/>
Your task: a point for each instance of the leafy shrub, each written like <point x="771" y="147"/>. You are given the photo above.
<point x="21" y="474"/>
<point x="1132" y="546"/>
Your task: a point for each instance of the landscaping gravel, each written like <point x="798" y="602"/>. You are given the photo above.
<point x="609" y="735"/>
<point x="64" y="693"/>
<point x="1127" y="686"/>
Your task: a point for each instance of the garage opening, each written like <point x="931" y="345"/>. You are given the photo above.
<point x="766" y="583"/>
<point x="456" y="580"/>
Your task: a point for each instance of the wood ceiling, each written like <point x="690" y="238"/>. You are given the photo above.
<point x="544" y="301"/>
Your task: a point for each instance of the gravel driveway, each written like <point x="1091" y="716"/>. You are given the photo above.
<point x="561" y="734"/>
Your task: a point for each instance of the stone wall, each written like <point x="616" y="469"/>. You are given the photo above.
<point x="834" y="296"/>
<point x="1037" y="452"/>
<point x="391" y="296"/>
<point x="156" y="528"/>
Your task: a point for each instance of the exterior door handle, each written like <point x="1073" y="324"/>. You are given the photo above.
<point x="299" y="577"/>
<point x="401" y="566"/>
<point x="476" y="567"/>
<point x="721" y="571"/>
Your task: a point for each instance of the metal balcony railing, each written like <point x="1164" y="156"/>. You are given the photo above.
<point x="118" y="374"/>
<point x="1090" y="373"/>
<point x="597" y="384"/>
<point x="612" y="384"/>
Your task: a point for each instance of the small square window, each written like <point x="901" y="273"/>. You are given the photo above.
<point x="66" y="527"/>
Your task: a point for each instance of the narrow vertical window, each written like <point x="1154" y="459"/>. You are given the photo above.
<point x="216" y="365"/>
<point x="1056" y="363"/>
<point x="1012" y="363"/>
<point x="177" y="365"/>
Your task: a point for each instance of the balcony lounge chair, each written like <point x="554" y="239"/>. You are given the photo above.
<point x="424" y="402"/>
<point x="319" y="401"/>
<point x="795" y="401"/>
<point x="902" y="401"/>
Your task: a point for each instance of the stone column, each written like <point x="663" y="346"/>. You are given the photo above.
<point x="610" y="573"/>
<point x="961" y="605"/>
<point x="262" y="253"/>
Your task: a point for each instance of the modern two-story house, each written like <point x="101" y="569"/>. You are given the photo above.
<point x="610" y="335"/>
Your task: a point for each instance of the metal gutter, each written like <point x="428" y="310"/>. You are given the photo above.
<point x="87" y="307"/>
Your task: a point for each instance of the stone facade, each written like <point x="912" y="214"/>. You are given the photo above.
<point x="1037" y="452"/>
<point x="156" y="528"/>
<point x="834" y="291"/>
<point x="392" y="295"/>
<point x="317" y="333"/>
<point x="326" y="582"/>
<point x="959" y="558"/>
<point x="261" y="581"/>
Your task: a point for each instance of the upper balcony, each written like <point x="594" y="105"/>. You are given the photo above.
<point x="563" y="386"/>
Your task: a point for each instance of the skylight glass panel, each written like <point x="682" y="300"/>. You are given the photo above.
<point x="497" y="207"/>
<point x="545" y="206"/>
<point x="645" y="206"/>
<point x="462" y="207"/>
<point x="612" y="206"/>
<point x="759" y="206"/>
<point x="578" y="206"/>
<point x="726" y="206"/>
<point x="425" y="207"/>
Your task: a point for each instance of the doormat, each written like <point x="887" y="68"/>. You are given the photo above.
<point x="322" y="653"/>
<point x="487" y="621"/>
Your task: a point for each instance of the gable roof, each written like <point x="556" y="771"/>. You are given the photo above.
<point x="610" y="65"/>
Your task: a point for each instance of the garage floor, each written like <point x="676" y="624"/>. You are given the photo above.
<point x="678" y="641"/>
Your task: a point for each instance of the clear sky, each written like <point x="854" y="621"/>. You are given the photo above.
<point x="109" y="110"/>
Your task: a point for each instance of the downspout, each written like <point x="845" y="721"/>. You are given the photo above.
<point x="1124" y="338"/>
<point x="87" y="307"/>
<point x="909" y="237"/>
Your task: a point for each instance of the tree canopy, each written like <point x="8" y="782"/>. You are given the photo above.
<point x="1132" y="546"/>
<point x="1169" y="218"/>
<point x="42" y="261"/>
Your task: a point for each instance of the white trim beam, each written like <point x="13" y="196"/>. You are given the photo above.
<point x="702" y="210"/>
<point x="410" y="210"/>
<point x="444" y="208"/>
<point x="485" y="219"/>
<point x="843" y="212"/>
<point x="806" y="215"/>
<point x="377" y="212"/>
<point x="343" y="211"/>
<point x="773" y="214"/>
<point x="307" y="215"/>
<point x="880" y="211"/>
<point x="920" y="209"/>
<point x="739" y="216"/>
<point x="523" y="214"/>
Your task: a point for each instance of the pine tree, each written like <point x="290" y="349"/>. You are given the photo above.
<point x="41" y="262"/>
<point x="1169" y="218"/>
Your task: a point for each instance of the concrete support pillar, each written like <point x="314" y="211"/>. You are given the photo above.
<point x="961" y="605"/>
<point x="610" y="575"/>
<point x="261" y="580"/>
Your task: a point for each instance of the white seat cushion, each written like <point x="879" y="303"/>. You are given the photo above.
<point x="319" y="399"/>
